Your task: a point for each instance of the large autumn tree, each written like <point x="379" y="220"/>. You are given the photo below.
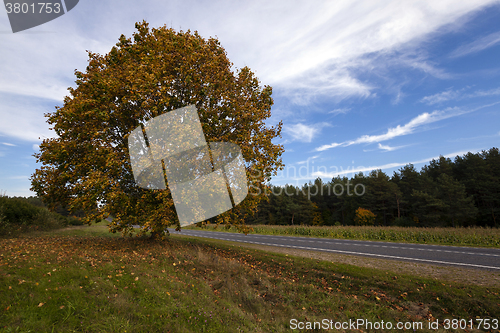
<point x="87" y="166"/>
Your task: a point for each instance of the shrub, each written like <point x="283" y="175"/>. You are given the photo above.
<point x="18" y="215"/>
<point x="73" y="220"/>
<point x="364" y="217"/>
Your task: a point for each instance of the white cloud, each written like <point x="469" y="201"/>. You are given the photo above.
<point x="356" y="170"/>
<point x="329" y="51"/>
<point x="340" y="111"/>
<point x="337" y="84"/>
<point x="427" y="67"/>
<point x="385" y="148"/>
<point x="8" y="144"/>
<point x="19" y="177"/>
<point x="23" y="118"/>
<point x="475" y="137"/>
<point x="309" y="159"/>
<point x="388" y="148"/>
<point x="42" y="65"/>
<point x="317" y="44"/>
<point x="484" y="93"/>
<point x="456" y="95"/>
<point x="408" y="128"/>
<point x="441" y="97"/>
<point x="477" y="45"/>
<point x="343" y="30"/>
<point x="326" y="147"/>
<point x="302" y="132"/>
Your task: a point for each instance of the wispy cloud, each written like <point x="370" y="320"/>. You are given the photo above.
<point x="484" y="93"/>
<point x="456" y="95"/>
<point x="327" y="53"/>
<point x="389" y="148"/>
<point x="309" y="159"/>
<point x="323" y="52"/>
<point x="419" y="62"/>
<point x="477" y="45"/>
<point x="441" y="97"/>
<point x="19" y="177"/>
<point x="8" y="144"/>
<point x="302" y="132"/>
<point x="385" y="148"/>
<point x="408" y="128"/>
<point x="23" y="118"/>
<point x="340" y="111"/>
<point x="356" y="170"/>
<point x="338" y="84"/>
<point x="475" y="137"/>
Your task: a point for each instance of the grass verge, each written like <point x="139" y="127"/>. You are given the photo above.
<point x="477" y="237"/>
<point x="84" y="279"/>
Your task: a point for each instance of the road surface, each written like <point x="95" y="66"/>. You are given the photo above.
<point x="466" y="257"/>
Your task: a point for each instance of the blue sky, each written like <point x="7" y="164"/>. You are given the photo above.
<point x="359" y="85"/>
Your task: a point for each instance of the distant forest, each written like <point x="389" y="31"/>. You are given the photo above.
<point x="460" y="192"/>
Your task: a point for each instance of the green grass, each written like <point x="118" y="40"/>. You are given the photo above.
<point x="84" y="279"/>
<point x="477" y="237"/>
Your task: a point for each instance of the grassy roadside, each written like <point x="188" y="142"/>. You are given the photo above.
<point x="84" y="279"/>
<point x="476" y="237"/>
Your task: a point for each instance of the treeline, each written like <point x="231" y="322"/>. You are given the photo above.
<point x="19" y="215"/>
<point x="460" y="192"/>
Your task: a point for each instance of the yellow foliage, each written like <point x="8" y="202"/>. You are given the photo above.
<point x="364" y="217"/>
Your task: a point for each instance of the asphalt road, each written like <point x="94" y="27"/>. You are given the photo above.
<point x="466" y="257"/>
